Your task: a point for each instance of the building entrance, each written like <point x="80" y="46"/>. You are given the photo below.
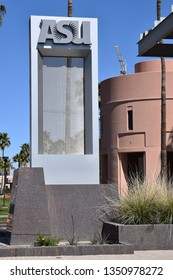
<point x="170" y="164"/>
<point x="135" y="166"/>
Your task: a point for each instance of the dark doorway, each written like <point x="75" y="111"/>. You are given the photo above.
<point x="104" y="168"/>
<point x="170" y="164"/>
<point x="135" y="166"/>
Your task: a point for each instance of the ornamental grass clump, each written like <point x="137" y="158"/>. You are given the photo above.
<point x="164" y="202"/>
<point x="137" y="207"/>
<point x="145" y="202"/>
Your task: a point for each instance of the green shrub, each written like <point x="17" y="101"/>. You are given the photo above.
<point x="146" y="202"/>
<point x="46" y="241"/>
<point x="8" y="191"/>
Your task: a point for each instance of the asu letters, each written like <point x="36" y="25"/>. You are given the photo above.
<point x="65" y="32"/>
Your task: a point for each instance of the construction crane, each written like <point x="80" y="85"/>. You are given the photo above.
<point x="121" y="60"/>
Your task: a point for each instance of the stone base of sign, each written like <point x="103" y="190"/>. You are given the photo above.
<point x="66" y="250"/>
<point x="28" y="214"/>
<point x="63" y="211"/>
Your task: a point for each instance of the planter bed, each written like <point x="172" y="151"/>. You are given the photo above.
<point x="143" y="237"/>
<point x="64" y="250"/>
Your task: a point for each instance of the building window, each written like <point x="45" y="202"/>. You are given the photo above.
<point x="104" y="165"/>
<point x="130" y="118"/>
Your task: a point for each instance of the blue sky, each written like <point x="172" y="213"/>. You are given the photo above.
<point x="119" y="22"/>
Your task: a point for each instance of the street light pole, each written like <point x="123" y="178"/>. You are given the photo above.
<point x="5" y="175"/>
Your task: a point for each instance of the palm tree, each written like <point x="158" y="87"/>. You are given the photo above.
<point x="25" y="154"/>
<point x="1" y="165"/>
<point x="68" y="94"/>
<point x="17" y="158"/>
<point x="159" y="9"/>
<point x="163" y="105"/>
<point x="2" y="13"/>
<point x="23" y="157"/>
<point x="4" y="142"/>
<point x="70" y="8"/>
<point x="9" y="165"/>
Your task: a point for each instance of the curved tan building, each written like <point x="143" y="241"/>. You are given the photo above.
<point x="131" y="122"/>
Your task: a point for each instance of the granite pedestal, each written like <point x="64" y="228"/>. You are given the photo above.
<point x="56" y="210"/>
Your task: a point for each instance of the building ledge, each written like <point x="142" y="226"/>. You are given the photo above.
<point x="150" y="45"/>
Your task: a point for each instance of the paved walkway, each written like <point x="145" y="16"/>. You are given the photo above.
<point x="138" y="255"/>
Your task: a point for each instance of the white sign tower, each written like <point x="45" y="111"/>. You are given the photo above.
<point x="64" y="99"/>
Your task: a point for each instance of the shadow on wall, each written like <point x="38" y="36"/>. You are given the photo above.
<point x="170" y="154"/>
<point x="170" y="141"/>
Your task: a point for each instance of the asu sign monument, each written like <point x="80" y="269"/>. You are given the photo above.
<point x="64" y="99"/>
<point x="63" y="181"/>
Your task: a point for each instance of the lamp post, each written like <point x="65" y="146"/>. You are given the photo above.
<point x="5" y="173"/>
